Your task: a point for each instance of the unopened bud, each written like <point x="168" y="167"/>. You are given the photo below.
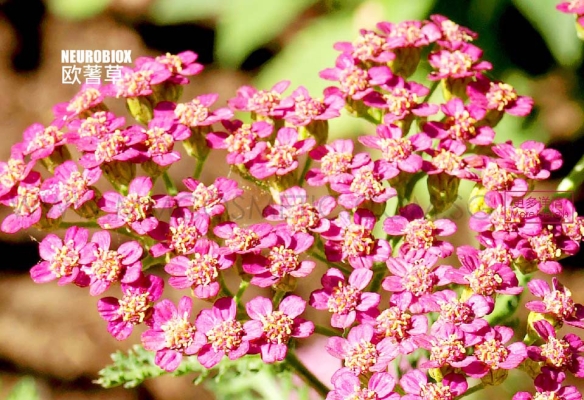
<point x="140" y="108"/>
<point x="443" y="190"/>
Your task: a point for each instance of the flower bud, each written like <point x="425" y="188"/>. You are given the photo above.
<point x="455" y="88"/>
<point x="119" y="174"/>
<point x="287" y="284"/>
<point x="406" y="61"/>
<point x="140" y="108"/>
<point x="166" y="91"/>
<point x="476" y="201"/>
<point x="443" y="190"/>
<point x="317" y="129"/>
<point x="196" y="144"/>
<point x="152" y="169"/>
<point x="532" y="336"/>
<point x="495" y="377"/>
<point x="56" y="158"/>
<point x="89" y="209"/>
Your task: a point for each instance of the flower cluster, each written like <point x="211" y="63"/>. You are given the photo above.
<point x="392" y="294"/>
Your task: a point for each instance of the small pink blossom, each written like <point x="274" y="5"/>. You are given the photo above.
<point x="208" y="200"/>
<point x="498" y="96"/>
<point x="307" y="109"/>
<point x="345" y="299"/>
<point x="336" y="159"/>
<point x="348" y="387"/>
<point x="89" y="98"/>
<point x="88" y="132"/>
<point x="40" y="142"/>
<point x="369" y="46"/>
<point x="161" y="135"/>
<point x="194" y="113"/>
<point x="251" y="239"/>
<point x="135" y="306"/>
<point x="556" y="300"/>
<point x="272" y="330"/>
<point x="415" y="384"/>
<point x="14" y="170"/>
<point x="266" y="103"/>
<point x="181" y="234"/>
<point x="461" y="60"/>
<point x="548" y="385"/>
<point x="531" y="159"/>
<point x="451" y="31"/>
<point x="179" y="65"/>
<point x="172" y="334"/>
<point x="139" y="81"/>
<point x="25" y="201"/>
<point x="243" y="142"/>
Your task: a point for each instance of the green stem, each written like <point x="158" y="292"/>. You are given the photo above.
<point x="243" y="285"/>
<point x="278" y="296"/>
<point x="326" y="331"/>
<point x="199" y="167"/>
<point x="306" y="375"/>
<point x="327" y="262"/>
<point x="80" y="224"/>
<point x="376" y="281"/>
<point x="472" y="390"/>
<point x="431" y="92"/>
<point x="571" y="182"/>
<point x="169" y="184"/>
<point x="224" y="287"/>
<point x="304" y="171"/>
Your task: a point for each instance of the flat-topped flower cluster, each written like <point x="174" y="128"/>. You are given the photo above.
<point x="437" y="325"/>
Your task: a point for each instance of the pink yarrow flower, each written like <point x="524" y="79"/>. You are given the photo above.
<point x="348" y="387"/>
<point x="531" y="159"/>
<point x="448" y="158"/>
<point x="239" y="240"/>
<point x="396" y="150"/>
<point x="62" y="259"/>
<point x="557" y="301"/>
<point x="68" y="188"/>
<point x="14" y="170"/>
<point x="447" y="346"/>
<point x="336" y="159"/>
<point x="360" y="352"/>
<point x="572" y="7"/>
<point x="135" y="306"/>
<point x="271" y="329"/>
<point x="200" y="271"/>
<point x="181" y="234"/>
<point x="266" y="103"/>
<point x="89" y="98"/>
<point x="223" y="332"/>
<point x="345" y="299"/>
<point x="25" y="201"/>
<point x="179" y="65"/>
<point x="243" y="142"/>
<point x="498" y="96"/>
<point x="451" y="31"/>
<point x="465" y="314"/>
<point x="161" y="135"/>
<point x="351" y="238"/>
<point x="282" y="260"/>
<point x="139" y="81"/>
<point x="412" y="34"/>
<point x="135" y="209"/>
<point x="194" y="113"/>
<point x="415" y="384"/>
<point x="40" y="142"/>
<point x="420" y="233"/>
<point x="111" y="266"/>
<point x="369" y="46"/>
<point x="298" y="214"/>
<point x="172" y="335"/>
<point x="307" y="109"/>
<point x="119" y="145"/>
<point x="88" y="132"/>
<point x="548" y="385"/>
<point x="461" y="60"/>
<point x="208" y="200"/>
<point x="281" y="157"/>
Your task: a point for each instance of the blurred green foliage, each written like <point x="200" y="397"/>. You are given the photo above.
<point x="25" y="389"/>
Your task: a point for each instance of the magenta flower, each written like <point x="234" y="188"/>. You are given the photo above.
<point x="572" y="7"/>
<point x="172" y="335"/>
<point x="420" y="233"/>
<point x="485" y="279"/>
<point x="243" y="140"/>
<point x="181" y="234"/>
<point x="68" y="188"/>
<point x="301" y="216"/>
<point x="365" y="184"/>
<point x="401" y="100"/>
<point x="245" y="240"/>
<point x="89" y="98"/>
<point x="88" y="132"/>
<point x="179" y="65"/>
<point x="415" y="384"/>
<point x="135" y="209"/>
<point x="509" y="218"/>
<point x="412" y="34"/>
<point x="531" y="159"/>
<point x="360" y="353"/>
<point x="491" y="354"/>
<point x="336" y="159"/>
<point x="281" y="157"/>
<point x="25" y="201"/>
<point x="200" y="271"/>
<point x="447" y="346"/>
<point x="208" y="200"/>
<point x="355" y="82"/>
<point x="498" y="96"/>
<point x="396" y="150"/>
<point x="224" y="334"/>
<point x="400" y="325"/>
<point x="496" y="178"/>
<point x="282" y="260"/>
<point x="556" y="301"/>
<point x="462" y="123"/>
<point x="348" y="387"/>
<point x="346" y="300"/>
<point x="194" y="113"/>
<point x="119" y="145"/>
<point x="352" y="239"/>
<point x="447" y="158"/>
<point x="451" y="31"/>
<point x="307" y="109"/>
<point x="139" y="81"/>
<point x="14" y="170"/>
<point x="272" y="330"/>
<point x="40" y="142"/>
<point x="571" y="224"/>
<point x="545" y="248"/>
<point x="548" y="385"/>
<point x="161" y="135"/>
<point x="63" y="259"/>
<point x="266" y="103"/>
<point x="461" y="60"/>
<point x="465" y="314"/>
<point x="110" y="266"/>
<point x="135" y="306"/>
<point x="415" y="274"/>
<point x="369" y="46"/>
<point x="560" y="354"/>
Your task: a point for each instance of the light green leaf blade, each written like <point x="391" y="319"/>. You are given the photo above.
<point x="77" y="10"/>
<point x="400" y="10"/>
<point x="247" y="24"/>
<point x="556" y="28"/>
<point x="25" y="389"/>
<point x="168" y="12"/>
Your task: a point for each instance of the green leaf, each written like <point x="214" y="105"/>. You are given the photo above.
<point x="247" y="24"/>
<point x="166" y="12"/>
<point x="74" y="9"/>
<point x="556" y="28"/>
<point x="399" y="10"/>
<point x="25" y="389"/>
